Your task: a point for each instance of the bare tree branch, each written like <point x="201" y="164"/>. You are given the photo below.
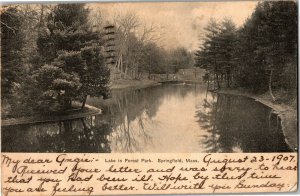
<point x="11" y="28"/>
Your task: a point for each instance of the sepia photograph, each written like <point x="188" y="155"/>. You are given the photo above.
<point x="122" y="98"/>
<point x="149" y="77"/>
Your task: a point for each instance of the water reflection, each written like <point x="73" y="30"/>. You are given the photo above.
<point x="80" y="135"/>
<point x="167" y="118"/>
<point x="239" y="124"/>
<point x="131" y="115"/>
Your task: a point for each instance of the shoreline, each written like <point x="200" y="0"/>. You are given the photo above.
<point x="68" y="115"/>
<point x="76" y="114"/>
<point x="133" y="84"/>
<point x="287" y="114"/>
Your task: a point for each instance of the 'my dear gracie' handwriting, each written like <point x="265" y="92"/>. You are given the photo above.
<point x="94" y="174"/>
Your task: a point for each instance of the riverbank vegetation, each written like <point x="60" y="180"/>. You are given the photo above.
<point x="65" y="64"/>
<point x="55" y="55"/>
<point x="260" y="56"/>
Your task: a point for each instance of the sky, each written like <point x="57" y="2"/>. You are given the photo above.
<point x="181" y="23"/>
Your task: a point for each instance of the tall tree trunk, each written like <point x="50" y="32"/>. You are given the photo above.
<point x="216" y="71"/>
<point x="41" y="20"/>
<point x="126" y="70"/>
<point x="137" y="71"/>
<point x="218" y="82"/>
<point x="207" y="89"/>
<point x="60" y="124"/>
<point x="84" y="101"/>
<point x="85" y="128"/>
<point x="67" y="103"/>
<point x="270" y="86"/>
<point x="228" y="79"/>
<point x="67" y="127"/>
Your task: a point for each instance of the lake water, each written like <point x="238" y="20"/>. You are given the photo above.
<point x="170" y="118"/>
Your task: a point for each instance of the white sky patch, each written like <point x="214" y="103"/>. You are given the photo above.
<point x="182" y="23"/>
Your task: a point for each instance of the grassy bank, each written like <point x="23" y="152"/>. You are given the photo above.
<point x="286" y="110"/>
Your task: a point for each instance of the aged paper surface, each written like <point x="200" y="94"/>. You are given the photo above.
<point x="95" y="174"/>
<point x="149" y="98"/>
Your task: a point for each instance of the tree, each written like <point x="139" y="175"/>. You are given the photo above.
<point x="208" y="55"/>
<point x="227" y="49"/>
<point x="34" y="24"/>
<point x="281" y="38"/>
<point x="56" y="88"/>
<point x="127" y="43"/>
<point x="181" y="58"/>
<point x="12" y="41"/>
<point x="268" y="42"/>
<point x="67" y="30"/>
<point x="69" y="44"/>
<point x="154" y="59"/>
<point x="259" y="56"/>
<point x="95" y="78"/>
<point x="131" y="38"/>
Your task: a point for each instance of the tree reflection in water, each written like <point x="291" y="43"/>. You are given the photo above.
<point x="130" y="113"/>
<point x="167" y="118"/>
<point x="235" y="123"/>
<point x="80" y="135"/>
<point x="125" y="125"/>
<point x="206" y="118"/>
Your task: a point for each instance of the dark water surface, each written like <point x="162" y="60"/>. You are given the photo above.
<point x="167" y="118"/>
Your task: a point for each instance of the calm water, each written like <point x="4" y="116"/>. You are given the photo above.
<point x="167" y="118"/>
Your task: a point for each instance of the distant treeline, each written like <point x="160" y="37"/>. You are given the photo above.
<point x="260" y="55"/>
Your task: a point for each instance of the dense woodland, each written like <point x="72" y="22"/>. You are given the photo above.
<point x="53" y="55"/>
<point x="260" y="56"/>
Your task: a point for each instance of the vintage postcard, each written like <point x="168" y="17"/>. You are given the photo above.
<point x="128" y="98"/>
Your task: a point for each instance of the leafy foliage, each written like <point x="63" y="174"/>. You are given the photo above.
<point x="267" y="42"/>
<point x="180" y="58"/>
<point x="69" y="44"/>
<point x="217" y="55"/>
<point x="12" y="41"/>
<point x="55" y="86"/>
